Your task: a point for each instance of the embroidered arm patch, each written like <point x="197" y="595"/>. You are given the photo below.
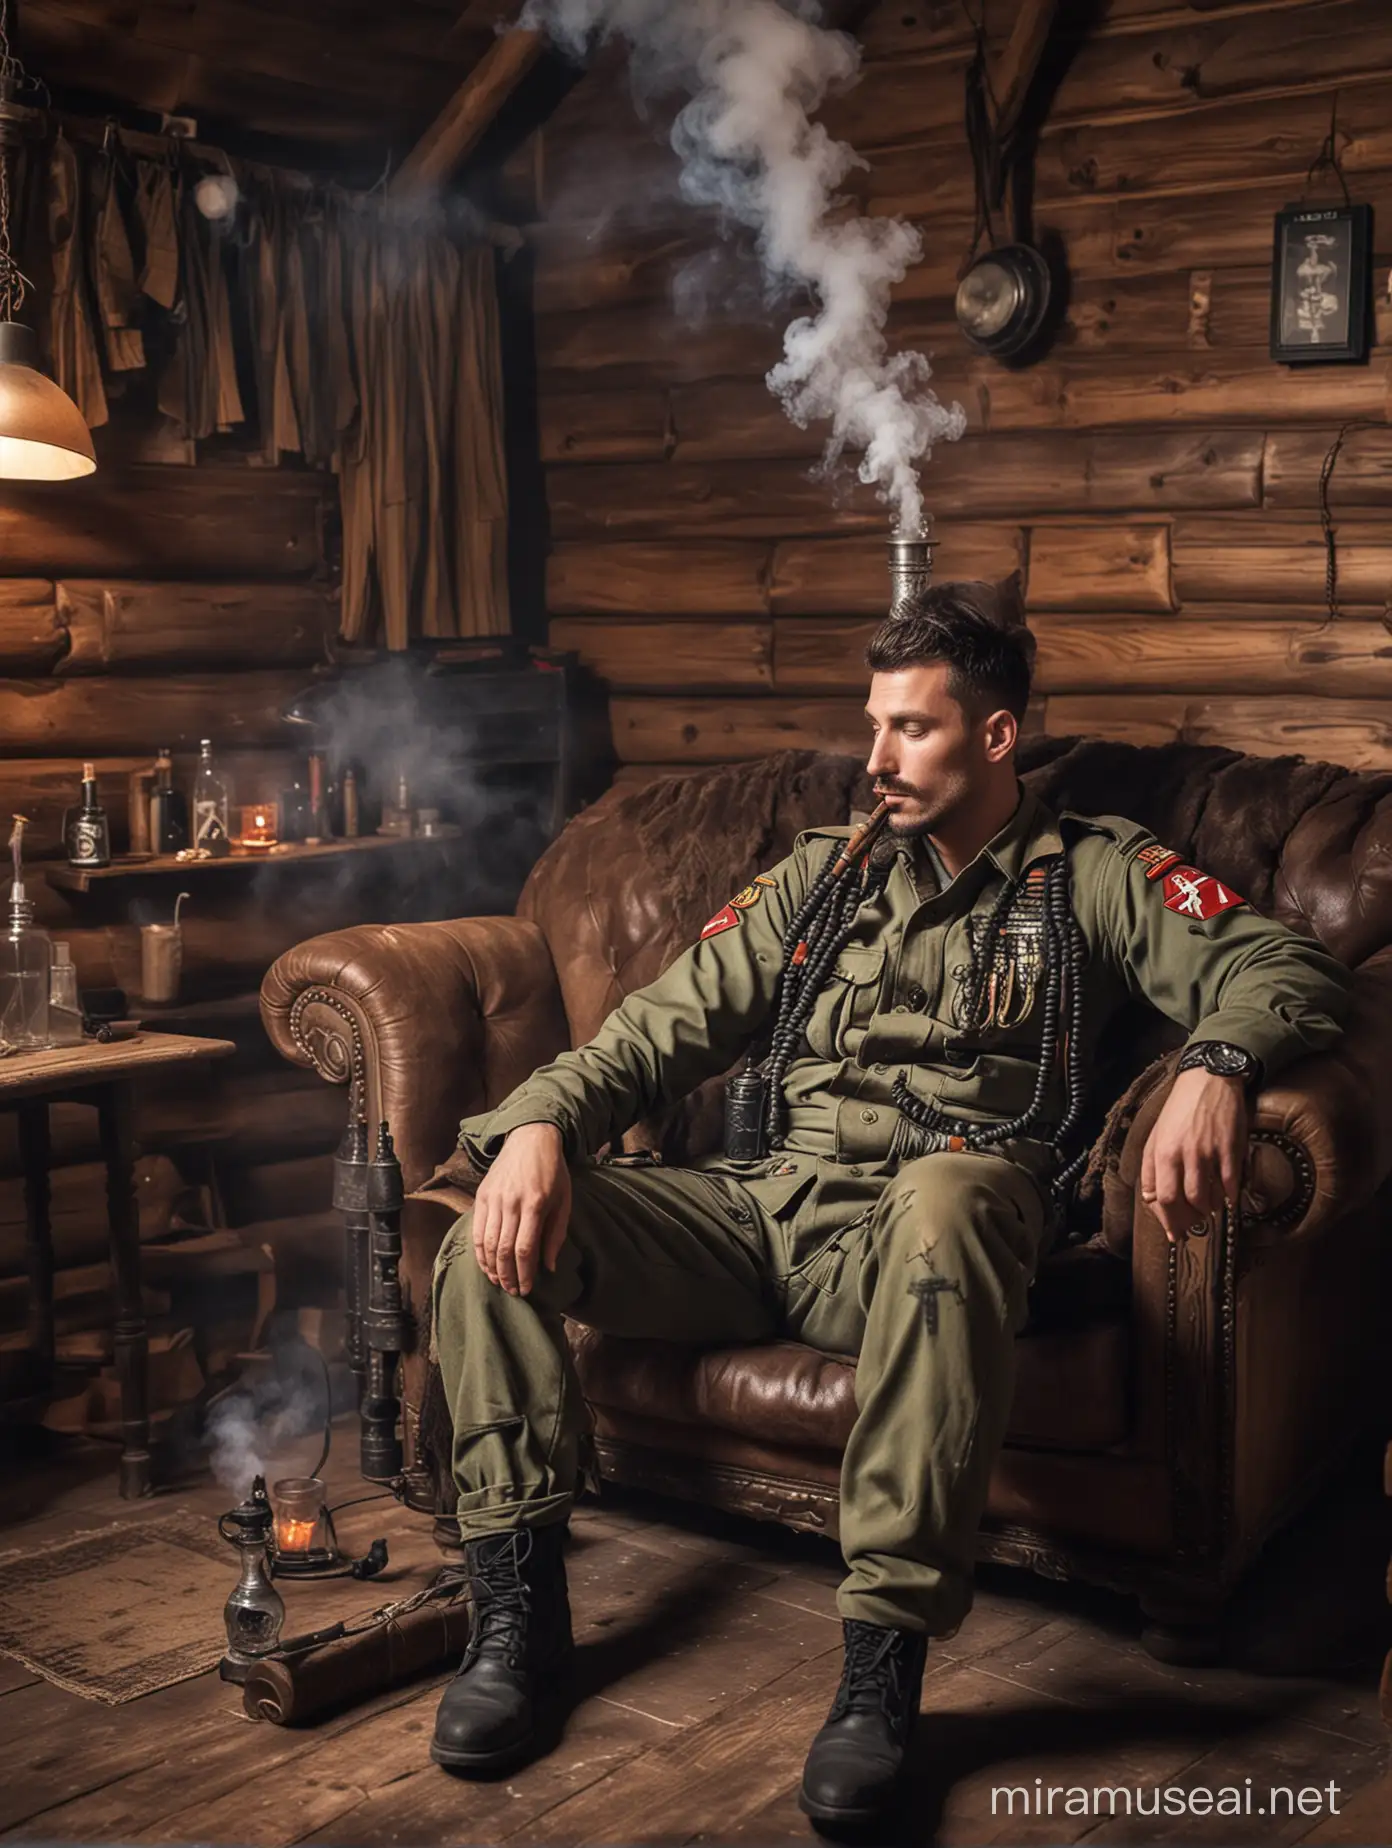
<point x="725" y="919"/>
<point x="729" y="915"/>
<point x="1197" y="895"/>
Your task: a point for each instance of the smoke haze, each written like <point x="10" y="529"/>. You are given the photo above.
<point x="755" y="72"/>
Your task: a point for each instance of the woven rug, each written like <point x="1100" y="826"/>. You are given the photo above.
<point x="123" y="1611"/>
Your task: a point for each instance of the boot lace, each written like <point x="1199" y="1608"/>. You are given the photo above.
<point x="878" y="1672"/>
<point x="501" y="1595"/>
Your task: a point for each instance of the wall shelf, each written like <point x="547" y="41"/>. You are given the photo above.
<point x="64" y="878"/>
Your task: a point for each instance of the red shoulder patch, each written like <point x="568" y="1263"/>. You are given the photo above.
<point x="1197" y="895"/>
<point x="725" y="919"/>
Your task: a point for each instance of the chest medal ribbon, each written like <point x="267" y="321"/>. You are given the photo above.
<point x="1013" y="955"/>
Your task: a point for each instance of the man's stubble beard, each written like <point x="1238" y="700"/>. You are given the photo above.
<point x="936" y="809"/>
<point x="911" y="830"/>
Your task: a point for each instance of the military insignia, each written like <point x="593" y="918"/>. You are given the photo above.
<point x="1197" y="895"/>
<point x="749" y="896"/>
<point x="764" y="880"/>
<point x="1157" y="859"/>
<point x="1015" y="960"/>
<point x="725" y="919"/>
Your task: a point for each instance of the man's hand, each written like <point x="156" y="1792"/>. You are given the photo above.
<point x="522" y="1208"/>
<point x="1193" y="1161"/>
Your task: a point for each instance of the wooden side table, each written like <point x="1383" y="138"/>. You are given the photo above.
<point x="104" y="1076"/>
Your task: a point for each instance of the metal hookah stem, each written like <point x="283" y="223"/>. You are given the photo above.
<point x="910" y="571"/>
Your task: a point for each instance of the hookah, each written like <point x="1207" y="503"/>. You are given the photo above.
<point x="255" y="1610"/>
<point x="750" y="1129"/>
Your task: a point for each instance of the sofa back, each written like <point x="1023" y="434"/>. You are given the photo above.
<point x="631" y="880"/>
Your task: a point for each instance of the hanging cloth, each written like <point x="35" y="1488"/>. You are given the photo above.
<point x="113" y="269"/>
<point x="154" y="210"/>
<point x="72" y="341"/>
<point x="357" y="599"/>
<point x="393" y="460"/>
<point x="421" y="471"/>
<point x="280" y="429"/>
<point x="228" y="409"/>
<point x="198" y="387"/>
<point x="342" y="390"/>
<point x="480" y="513"/>
<point x="433" y="289"/>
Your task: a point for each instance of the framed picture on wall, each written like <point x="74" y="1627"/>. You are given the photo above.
<point x="1319" y="284"/>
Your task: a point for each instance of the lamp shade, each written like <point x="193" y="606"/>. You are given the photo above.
<point x="43" y="435"/>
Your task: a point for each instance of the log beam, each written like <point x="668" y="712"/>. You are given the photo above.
<point x="460" y="125"/>
<point x="1012" y="73"/>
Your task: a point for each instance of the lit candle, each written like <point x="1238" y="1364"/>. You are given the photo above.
<point x="294" y="1536"/>
<point x="259" y="824"/>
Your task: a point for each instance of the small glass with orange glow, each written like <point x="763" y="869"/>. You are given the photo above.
<point x="300" y="1526"/>
<point x="260" y="826"/>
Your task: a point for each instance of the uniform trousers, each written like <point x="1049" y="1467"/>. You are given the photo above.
<point x="927" y="1289"/>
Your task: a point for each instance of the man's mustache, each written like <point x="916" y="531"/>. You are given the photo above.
<point x="894" y="789"/>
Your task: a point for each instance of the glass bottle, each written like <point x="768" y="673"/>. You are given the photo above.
<point x="210" y="804"/>
<point x="64" y="1004"/>
<point x="168" y="808"/>
<point x="24" y="966"/>
<point x="86" y="831"/>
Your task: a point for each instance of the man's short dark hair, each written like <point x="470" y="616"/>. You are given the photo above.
<point x="978" y="629"/>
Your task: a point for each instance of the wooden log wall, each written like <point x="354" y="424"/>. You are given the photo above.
<point x="1155" y="476"/>
<point x="154" y="605"/>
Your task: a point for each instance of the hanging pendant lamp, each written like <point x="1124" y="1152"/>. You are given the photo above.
<point x="43" y="435"/>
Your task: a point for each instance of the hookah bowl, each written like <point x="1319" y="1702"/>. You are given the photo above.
<point x="910" y="571"/>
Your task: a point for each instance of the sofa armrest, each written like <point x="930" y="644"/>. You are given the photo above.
<point x="1321" y="1133"/>
<point x="437" y="1020"/>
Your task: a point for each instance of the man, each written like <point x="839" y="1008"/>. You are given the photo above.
<point x="922" y="1021"/>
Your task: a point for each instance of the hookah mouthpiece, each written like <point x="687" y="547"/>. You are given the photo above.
<point x="910" y="571"/>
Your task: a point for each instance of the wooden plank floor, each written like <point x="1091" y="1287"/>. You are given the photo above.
<point x="709" y="1652"/>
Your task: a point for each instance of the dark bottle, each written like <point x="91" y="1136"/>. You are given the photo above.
<point x="168" y="809"/>
<point x="294" y="812"/>
<point x="319" y="824"/>
<point x="86" y="833"/>
<point x="746" y="1096"/>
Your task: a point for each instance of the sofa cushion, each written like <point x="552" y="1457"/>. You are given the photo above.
<point x="1072" y="1372"/>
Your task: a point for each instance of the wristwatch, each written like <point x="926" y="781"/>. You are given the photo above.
<point x="1221" y="1058"/>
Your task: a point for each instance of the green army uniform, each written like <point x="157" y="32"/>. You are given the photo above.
<point x="920" y="1264"/>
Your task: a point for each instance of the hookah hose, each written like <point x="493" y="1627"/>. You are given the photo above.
<point x="814" y="938"/>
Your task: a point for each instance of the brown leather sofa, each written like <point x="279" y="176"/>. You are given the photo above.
<point x="1174" y="1404"/>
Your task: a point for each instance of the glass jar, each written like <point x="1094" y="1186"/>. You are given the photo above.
<point x="64" y="1004"/>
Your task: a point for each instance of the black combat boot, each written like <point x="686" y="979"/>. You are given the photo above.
<point x="500" y="1708"/>
<point x="853" y="1767"/>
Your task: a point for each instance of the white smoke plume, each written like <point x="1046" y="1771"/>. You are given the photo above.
<point x="250" y="1427"/>
<point x="238" y="1448"/>
<point x="755" y="72"/>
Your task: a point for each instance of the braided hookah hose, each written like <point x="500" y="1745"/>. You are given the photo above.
<point x="1063" y="956"/>
<point x="818" y="932"/>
